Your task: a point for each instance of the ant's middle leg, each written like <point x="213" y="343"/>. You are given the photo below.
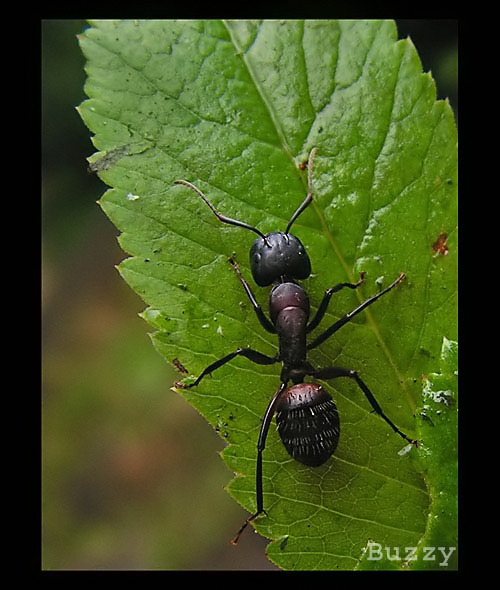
<point x="252" y="355"/>
<point x="334" y="372"/>
<point x="265" y="322"/>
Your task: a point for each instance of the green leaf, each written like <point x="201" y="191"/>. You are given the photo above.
<point x="235" y="108"/>
<point x="437" y="428"/>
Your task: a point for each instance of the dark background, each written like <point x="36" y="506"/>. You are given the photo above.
<point x="131" y="476"/>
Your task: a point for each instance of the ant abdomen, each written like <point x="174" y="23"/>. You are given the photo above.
<point x="308" y="423"/>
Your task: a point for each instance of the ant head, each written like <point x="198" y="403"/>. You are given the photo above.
<point x="278" y="255"/>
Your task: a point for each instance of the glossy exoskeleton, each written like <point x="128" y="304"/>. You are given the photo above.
<point x="306" y="415"/>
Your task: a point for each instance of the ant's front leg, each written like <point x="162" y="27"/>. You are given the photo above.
<point x="348" y="317"/>
<point x="326" y="300"/>
<point x="265" y="323"/>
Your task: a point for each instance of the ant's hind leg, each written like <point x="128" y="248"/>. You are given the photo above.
<point x="334" y="372"/>
<point x="261" y="445"/>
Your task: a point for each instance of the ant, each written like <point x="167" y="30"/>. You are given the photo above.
<point x="306" y="415"/>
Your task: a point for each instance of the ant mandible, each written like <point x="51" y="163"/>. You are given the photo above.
<point x="306" y="415"/>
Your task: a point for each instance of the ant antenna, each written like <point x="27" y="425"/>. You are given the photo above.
<point x="219" y="216"/>
<point x="309" y="197"/>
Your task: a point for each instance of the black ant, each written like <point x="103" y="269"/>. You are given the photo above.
<point x="306" y="415"/>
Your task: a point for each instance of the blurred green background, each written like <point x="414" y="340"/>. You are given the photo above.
<point x="131" y="477"/>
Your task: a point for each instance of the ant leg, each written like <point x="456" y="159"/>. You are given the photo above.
<point x="261" y="444"/>
<point x="252" y="355"/>
<point x="266" y="324"/>
<point x="348" y="317"/>
<point x="326" y="300"/>
<point x="334" y="372"/>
